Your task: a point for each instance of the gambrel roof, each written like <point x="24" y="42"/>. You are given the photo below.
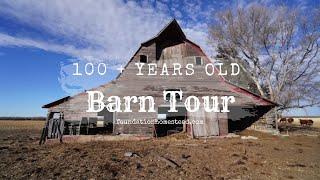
<point x="172" y="35"/>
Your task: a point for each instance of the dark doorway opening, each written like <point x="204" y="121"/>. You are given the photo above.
<point x="105" y="125"/>
<point x="170" y="122"/>
<point x="102" y="124"/>
<point x="242" y="117"/>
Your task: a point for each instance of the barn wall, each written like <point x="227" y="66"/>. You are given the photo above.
<point x="75" y="108"/>
<point x="146" y="129"/>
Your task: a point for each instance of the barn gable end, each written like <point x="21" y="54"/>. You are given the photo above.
<point x="169" y="46"/>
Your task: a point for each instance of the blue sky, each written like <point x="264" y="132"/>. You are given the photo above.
<point x="39" y="41"/>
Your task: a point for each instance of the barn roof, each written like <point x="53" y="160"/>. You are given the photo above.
<point x="173" y="32"/>
<point x="173" y="29"/>
<point x="172" y="25"/>
<point x="246" y="91"/>
<point x="59" y="101"/>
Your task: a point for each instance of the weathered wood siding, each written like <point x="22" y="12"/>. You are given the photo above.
<point x="223" y="123"/>
<point x="129" y="84"/>
<point x="210" y="125"/>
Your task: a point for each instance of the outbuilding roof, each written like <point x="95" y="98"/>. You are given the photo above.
<point x="59" y="101"/>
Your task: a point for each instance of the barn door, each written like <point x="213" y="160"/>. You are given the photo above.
<point x="210" y="126"/>
<point x="212" y="123"/>
<point x="198" y="129"/>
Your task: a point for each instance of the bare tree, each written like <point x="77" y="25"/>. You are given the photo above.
<point x="277" y="47"/>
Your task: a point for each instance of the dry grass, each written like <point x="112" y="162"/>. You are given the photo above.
<point x="15" y="125"/>
<point x="269" y="157"/>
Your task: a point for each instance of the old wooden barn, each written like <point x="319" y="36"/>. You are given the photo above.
<point x="169" y="46"/>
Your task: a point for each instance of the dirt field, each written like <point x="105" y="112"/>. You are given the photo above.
<point x="175" y="157"/>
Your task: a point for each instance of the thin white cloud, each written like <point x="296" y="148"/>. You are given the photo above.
<point x="108" y="31"/>
<point x="112" y="27"/>
<point x="100" y="29"/>
<point x="11" y="41"/>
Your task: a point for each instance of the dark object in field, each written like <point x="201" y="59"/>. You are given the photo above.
<point x="131" y="154"/>
<point x="285" y="120"/>
<point x="185" y="156"/>
<point x="169" y="162"/>
<point x="290" y="120"/>
<point x="296" y="165"/>
<point x="306" y="122"/>
<point x="139" y="166"/>
<point x="239" y="162"/>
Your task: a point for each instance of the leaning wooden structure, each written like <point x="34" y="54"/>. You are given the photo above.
<point x="54" y="127"/>
<point x="169" y="46"/>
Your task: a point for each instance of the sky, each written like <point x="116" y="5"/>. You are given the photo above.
<point x="40" y="41"/>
